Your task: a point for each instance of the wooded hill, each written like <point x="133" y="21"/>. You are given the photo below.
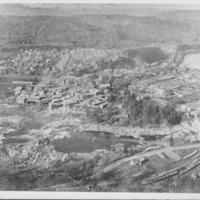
<point x="113" y="31"/>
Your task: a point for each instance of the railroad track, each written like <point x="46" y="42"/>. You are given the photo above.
<point x="181" y="169"/>
<point x="143" y="155"/>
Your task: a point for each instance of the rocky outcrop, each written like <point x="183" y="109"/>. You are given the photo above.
<point x="36" y="154"/>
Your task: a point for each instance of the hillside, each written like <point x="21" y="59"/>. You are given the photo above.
<point x="181" y="15"/>
<point x="113" y="31"/>
<point x="77" y="9"/>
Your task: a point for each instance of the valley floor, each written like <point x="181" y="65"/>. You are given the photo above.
<point x="139" y="133"/>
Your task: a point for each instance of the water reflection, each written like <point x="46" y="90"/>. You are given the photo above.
<point x="88" y="142"/>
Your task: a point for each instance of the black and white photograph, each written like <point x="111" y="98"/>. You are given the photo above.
<point x="100" y="97"/>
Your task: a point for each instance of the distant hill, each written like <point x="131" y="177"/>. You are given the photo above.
<point x="106" y="31"/>
<point x="77" y="9"/>
<point x="23" y="10"/>
<point x="96" y="25"/>
<point x="181" y="15"/>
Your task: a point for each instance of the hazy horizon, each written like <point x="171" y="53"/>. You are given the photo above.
<point x="137" y="6"/>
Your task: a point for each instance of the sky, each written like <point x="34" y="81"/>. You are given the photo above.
<point x="195" y="6"/>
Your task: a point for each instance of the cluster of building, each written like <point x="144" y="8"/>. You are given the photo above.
<point x="73" y="91"/>
<point x="162" y="83"/>
<point x="29" y="62"/>
<point x="81" y="61"/>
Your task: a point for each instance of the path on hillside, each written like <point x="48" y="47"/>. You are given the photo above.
<point x="146" y="154"/>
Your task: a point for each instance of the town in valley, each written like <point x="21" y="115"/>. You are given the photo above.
<point x="99" y="98"/>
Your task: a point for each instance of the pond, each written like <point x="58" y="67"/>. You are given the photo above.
<point x="89" y="141"/>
